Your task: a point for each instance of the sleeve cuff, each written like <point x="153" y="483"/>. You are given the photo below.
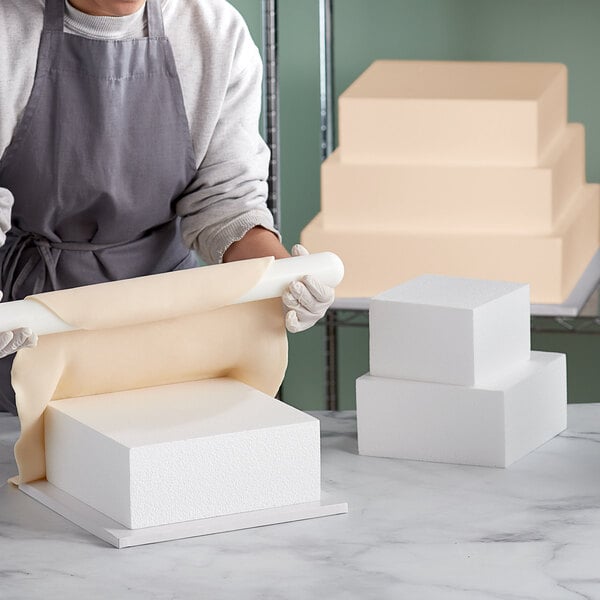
<point x="213" y="243"/>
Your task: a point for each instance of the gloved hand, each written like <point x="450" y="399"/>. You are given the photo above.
<point x="307" y="300"/>
<point x="12" y="341"/>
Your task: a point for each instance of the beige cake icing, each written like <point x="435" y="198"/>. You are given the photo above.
<point x="146" y="332"/>
<point x="467" y="169"/>
<point x="452" y="113"/>
<point x="461" y="198"/>
<point x="552" y="264"/>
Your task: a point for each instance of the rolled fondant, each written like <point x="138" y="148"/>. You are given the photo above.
<point x="151" y="331"/>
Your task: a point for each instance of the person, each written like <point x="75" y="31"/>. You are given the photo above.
<point x="129" y="139"/>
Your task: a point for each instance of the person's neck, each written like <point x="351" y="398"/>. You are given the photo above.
<point x="107" y="8"/>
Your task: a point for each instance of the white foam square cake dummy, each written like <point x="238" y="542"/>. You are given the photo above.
<point x="181" y="452"/>
<point x="491" y="425"/>
<point x="147" y="408"/>
<point x="449" y="329"/>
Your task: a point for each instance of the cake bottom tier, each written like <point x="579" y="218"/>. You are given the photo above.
<point x="378" y="260"/>
<point x="181" y="452"/>
<point x="489" y="425"/>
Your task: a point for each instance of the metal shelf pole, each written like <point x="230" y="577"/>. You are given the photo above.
<point x="270" y="49"/>
<point x="327" y="123"/>
<point x="271" y="104"/>
<point x="326" y="75"/>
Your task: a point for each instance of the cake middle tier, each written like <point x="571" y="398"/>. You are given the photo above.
<point x="377" y="260"/>
<point x="455" y="199"/>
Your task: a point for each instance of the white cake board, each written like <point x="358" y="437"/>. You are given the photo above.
<point x="571" y="307"/>
<point x="119" y="536"/>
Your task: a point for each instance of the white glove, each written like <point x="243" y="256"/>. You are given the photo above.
<point x="12" y="341"/>
<point x="307" y="300"/>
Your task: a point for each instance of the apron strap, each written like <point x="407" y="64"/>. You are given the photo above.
<point x="30" y="256"/>
<point x="15" y="272"/>
<point x="156" y="26"/>
<point x="54" y="15"/>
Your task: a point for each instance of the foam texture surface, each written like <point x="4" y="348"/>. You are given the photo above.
<point x="491" y="425"/>
<point x="180" y="452"/>
<point x="449" y="330"/>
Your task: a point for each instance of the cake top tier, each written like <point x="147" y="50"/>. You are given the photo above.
<point x="450" y="292"/>
<point x="180" y="411"/>
<point x="449" y="80"/>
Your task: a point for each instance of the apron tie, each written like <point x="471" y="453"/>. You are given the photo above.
<point x="43" y="262"/>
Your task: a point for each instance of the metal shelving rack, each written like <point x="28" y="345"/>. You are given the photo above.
<point x="270" y="53"/>
<point x="271" y="126"/>
<point x="327" y="125"/>
<point x="587" y="322"/>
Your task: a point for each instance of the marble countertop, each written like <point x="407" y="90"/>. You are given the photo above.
<point x="419" y="531"/>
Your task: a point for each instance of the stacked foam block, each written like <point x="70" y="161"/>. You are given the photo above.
<point x="458" y="168"/>
<point x="452" y="378"/>
<point x="181" y="452"/>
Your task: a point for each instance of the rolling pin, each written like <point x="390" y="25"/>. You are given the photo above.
<point x="325" y="266"/>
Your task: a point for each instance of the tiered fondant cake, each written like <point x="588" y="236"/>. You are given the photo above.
<point x="452" y="376"/>
<point x="462" y="169"/>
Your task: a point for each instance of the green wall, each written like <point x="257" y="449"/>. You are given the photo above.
<point x="365" y="30"/>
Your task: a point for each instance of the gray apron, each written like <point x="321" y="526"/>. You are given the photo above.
<point x="97" y="163"/>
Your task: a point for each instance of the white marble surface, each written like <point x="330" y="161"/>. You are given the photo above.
<point x="415" y="531"/>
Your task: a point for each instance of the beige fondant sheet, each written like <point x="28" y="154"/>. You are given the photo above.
<point x="150" y="331"/>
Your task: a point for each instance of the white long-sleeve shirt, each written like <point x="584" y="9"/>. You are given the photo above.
<point x="220" y="71"/>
